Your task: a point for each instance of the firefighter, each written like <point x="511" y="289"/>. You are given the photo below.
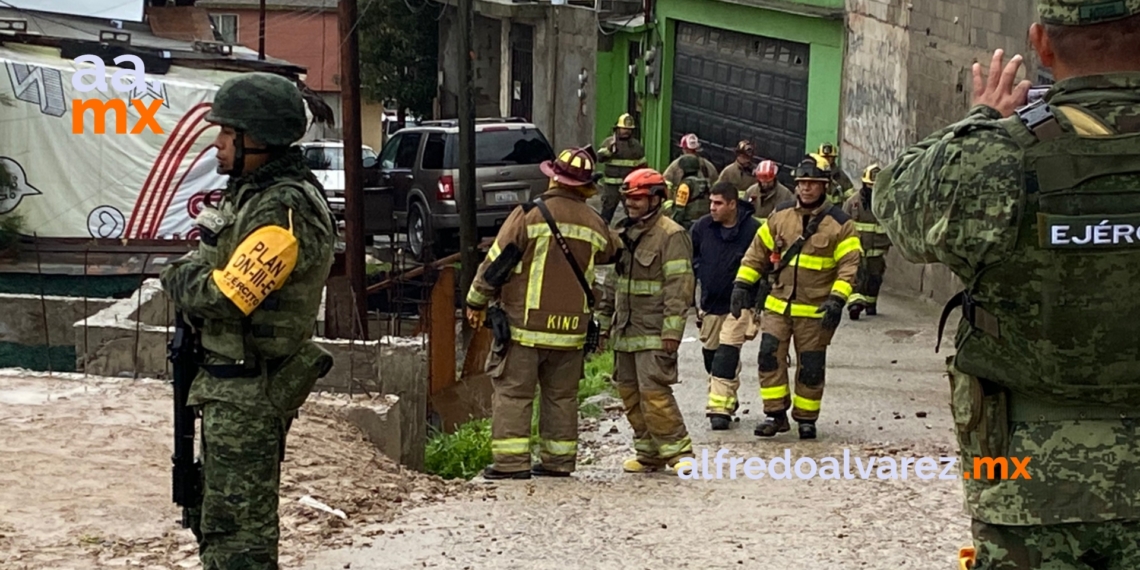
<point x="719" y="242"/>
<point x="690" y="145"/>
<point x="622" y="153"/>
<point x="768" y="192"/>
<point x="840" y="188"/>
<point x="690" y="197"/>
<point x="802" y="274"/>
<point x="643" y="312"/>
<point x="875" y="242"/>
<point x="542" y="318"/>
<point x="739" y="173"/>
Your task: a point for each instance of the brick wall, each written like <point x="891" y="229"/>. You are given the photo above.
<point x="907" y="74"/>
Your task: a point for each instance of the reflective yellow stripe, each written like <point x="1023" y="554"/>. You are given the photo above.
<point x="560" y="340"/>
<point x="842" y="288"/>
<point x="474" y="297"/>
<point x="676" y="448"/>
<point x="569" y="231"/>
<point x="813" y="262"/>
<point x="613" y="181"/>
<point x="847" y="246"/>
<point x="560" y="447"/>
<point x="677" y="267"/>
<point x="605" y="321"/>
<point x="668" y="205"/>
<point x="512" y="446"/>
<point x="774" y="393"/>
<point x="747" y="274"/>
<point x="673" y="323"/>
<point x="805" y="404"/>
<point x="722" y="402"/>
<point x="870" y="299"/>
<point x="626" y="162"/>
<point x="869" y="228"/>
<point x="494" y="251"/>
<point x="874" y="252"/>
<point x="645" y="446"/>
<point x="637" y="343"/>
<point x="638" y="286"/>
<point x="766" y="236"/>
<point x="761" y="220"/>
<point x="798" y="309"/>
<point x="856" y="298"/>
<point x="537" y="272"/>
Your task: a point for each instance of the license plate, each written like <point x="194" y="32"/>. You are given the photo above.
<point x="505" y="198"/>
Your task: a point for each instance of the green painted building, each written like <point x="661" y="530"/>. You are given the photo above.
<point x="769" y="71"/>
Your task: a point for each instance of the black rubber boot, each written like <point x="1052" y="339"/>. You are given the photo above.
<point x="872" y="311"/>
<point x="542" y="471"/>
<point x="807" y="430"/>
<point x="719" y="422"/>
<point x="772" y="425"/>
<point x="854" y="310"/>
<point x="492" y="474"/>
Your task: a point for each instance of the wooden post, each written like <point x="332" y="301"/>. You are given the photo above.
<point x="441" y="334"/>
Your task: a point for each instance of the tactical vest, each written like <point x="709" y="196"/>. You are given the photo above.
<point x="691" y="200"/>
<point x="286" y="317"/>
<point x="1058" y="319"/>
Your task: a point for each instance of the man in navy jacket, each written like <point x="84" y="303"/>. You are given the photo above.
<point x="719" y="242"/>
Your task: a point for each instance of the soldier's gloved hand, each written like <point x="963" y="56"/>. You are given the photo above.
<point x="832" y="310"/>
<point x="742" y="296"/>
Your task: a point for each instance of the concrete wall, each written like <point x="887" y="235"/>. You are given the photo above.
<point x="485" y="71"/>
<point x="23" y="318"/>
<point x="907" y="74"/>
<point x="566" y="43"/>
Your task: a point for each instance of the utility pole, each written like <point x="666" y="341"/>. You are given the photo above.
<point x="468" y="230"/>
<point x="261" y="33"/>
<point x="353" y="162"/>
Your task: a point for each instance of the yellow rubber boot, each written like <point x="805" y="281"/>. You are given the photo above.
<point x="632" y="465"/>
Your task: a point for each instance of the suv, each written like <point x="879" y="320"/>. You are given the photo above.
<point x="419" y="168"/>
<point x="326" y="159"/>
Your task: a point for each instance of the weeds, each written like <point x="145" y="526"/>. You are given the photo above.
<point x="466" y="452"/>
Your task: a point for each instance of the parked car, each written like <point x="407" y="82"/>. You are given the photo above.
<point x="326" y="160"/>
<point x="419" y="168"/>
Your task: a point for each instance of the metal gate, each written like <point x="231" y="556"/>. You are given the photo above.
<point x="522" y="71"/>
<point x="729" y="86"/>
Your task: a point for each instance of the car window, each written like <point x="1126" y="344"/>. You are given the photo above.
<point x="406" y="152"/>
<point x="434" y="151"/>
<point x="315" y="158"/>
<point x="504" y="148"/>
<point x="388" y="153"/>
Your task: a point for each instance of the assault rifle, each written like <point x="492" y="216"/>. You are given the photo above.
<point x="184" y="353"/>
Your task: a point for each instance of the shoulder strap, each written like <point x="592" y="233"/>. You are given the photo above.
<point x="789" y="254"/>
<point x="566" y="251"/>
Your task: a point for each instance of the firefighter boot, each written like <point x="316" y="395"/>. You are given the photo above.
<point x="872" y="310"/>
<point x="807" y="430"/>
<point x="773" y="424"/>
<point x="854" y="309"/>
<point x="719" y="422"/>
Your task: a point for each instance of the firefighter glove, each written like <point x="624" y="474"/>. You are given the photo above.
<point x="763" y="288"/>
<point x="832" y="310"/>
<point x="743" y="295"/>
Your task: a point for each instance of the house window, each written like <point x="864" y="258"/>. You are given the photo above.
<point x="225" y="27"/>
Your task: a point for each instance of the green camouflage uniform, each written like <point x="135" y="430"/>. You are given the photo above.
<point x="260" y="360"/>
<point x="1047" y="364"/>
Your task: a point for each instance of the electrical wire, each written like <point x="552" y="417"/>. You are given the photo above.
<point x="617" y="29"/>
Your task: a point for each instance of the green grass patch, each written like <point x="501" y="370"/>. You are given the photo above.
<point x="466" y="452"/>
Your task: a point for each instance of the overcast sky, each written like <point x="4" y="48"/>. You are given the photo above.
<point x="131" y="10"/>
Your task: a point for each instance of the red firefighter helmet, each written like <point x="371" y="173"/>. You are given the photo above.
<point x="573" y="167"/>
<point x="644" y="182"/>
<point x="767" y="171"/>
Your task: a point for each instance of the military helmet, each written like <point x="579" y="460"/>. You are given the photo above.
<point x="871" y="173"/>
<point x="1085" y="12"/>
<point x="689" y="165"/>
<point x="644" y="182"/>
<point x="265" y="106"/>
<point x="573" y="167"/>
<point x="813" y="167"/>
<point x="625" y="122"/>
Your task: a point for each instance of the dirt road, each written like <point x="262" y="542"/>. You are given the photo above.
<point x="886" y="397"/>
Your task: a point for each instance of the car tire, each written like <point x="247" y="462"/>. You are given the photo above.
<point x="420" y="235"/>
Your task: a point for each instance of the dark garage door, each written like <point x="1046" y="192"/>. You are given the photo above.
<point x="729" y="86"/>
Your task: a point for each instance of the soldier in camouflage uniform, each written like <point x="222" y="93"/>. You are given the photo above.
<point x="1035" y="206"/>
<point x="254" y="287"/>
<point x="691" y="197"/>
